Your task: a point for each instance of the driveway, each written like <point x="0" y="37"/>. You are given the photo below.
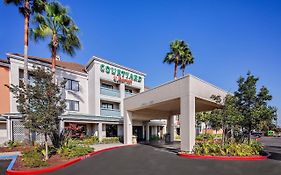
<point x="147" y="160"/>
<point x="273" y="146"/>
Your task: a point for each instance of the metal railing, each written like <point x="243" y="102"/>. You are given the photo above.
<point x="110" y="112"/>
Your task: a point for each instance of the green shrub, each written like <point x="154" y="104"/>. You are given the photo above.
<point x="91" y="140"/>
<point x="33" y="158"/>
<point x="231" y="149"/>
<point x="111" y="140"/>
<point x="202" y="137"/>
<point x="154" y="138"/>
<point x="74" y="151"/>
<point x="12" y="144"/>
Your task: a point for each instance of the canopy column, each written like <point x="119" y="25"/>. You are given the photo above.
<point x="187" y="122"/>
<point x="128" y="128"/>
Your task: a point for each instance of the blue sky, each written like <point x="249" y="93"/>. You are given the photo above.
<point x="227" y="38"/>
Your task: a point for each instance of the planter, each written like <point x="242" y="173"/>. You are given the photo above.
<point x="193" y="156"/>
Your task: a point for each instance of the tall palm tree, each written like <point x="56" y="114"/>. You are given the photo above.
<point x="27" y="8"/>
<point x="186" y="59"/>
<point x="58" y="26"/>
<point x="176" y="54"/>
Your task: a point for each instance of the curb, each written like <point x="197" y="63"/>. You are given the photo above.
<point x="57" y="167"/>
<point x="193" y="156"/>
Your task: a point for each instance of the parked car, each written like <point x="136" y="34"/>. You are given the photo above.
<point x="257" y="134"/>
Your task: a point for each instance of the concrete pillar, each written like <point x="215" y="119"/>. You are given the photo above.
<point x="154" y="131"/>
<point x="128" y="127"/>
<point x="9" y="128"/>
<point x="61" y="125"/>
<point x="100" y="131"/>
<point x="122" y="96"/>
<point x="120" y="130"/>
<point x="147" y="132"/>
<point x="187" y="122"/>
<point x="88" y="129"/>
<point x="143" y="133"/>
<point x="171" y="127"/>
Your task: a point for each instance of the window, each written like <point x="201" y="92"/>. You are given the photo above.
<point x="106" y="86"/>
<point x="107" y="106"/>
<point x="72" y="105"/>
<point x="129" y="91"/>
<point x="72" y="85"/>
<point x="30" y="78"/>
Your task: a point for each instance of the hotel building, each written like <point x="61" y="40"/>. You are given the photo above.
<point x="94" y="95"/>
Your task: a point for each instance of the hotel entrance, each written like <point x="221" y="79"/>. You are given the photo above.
<point x="138" y="131"/>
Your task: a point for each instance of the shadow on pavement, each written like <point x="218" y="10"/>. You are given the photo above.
<point x="170" y="147"/>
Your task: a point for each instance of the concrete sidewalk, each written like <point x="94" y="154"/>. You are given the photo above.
<point x="98" y="147"/>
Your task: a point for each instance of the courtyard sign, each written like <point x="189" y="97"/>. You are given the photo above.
<point x="120" y="75"/>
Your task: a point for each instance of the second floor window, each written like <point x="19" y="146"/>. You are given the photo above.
<point x="108" y="86"/>
<point x="72" y="105"/>
<point x="129" y="91"/>
<point x="72" y="85"/>
<point x="107" y="106"/>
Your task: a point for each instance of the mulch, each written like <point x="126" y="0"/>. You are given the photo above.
<point x="52" y="161"/>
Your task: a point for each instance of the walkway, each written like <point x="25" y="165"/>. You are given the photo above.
<point x="143" y="159"/>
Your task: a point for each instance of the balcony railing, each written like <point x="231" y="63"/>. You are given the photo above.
<point x="110" y="112"/>
<point x="109" y="92"/>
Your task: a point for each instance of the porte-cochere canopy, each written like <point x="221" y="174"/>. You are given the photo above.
<point x="184" y="96"/>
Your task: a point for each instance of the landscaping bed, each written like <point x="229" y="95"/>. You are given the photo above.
<point x="33" y="157"/>
<point x="52" y="161"/>
<point x="211" y="147"/>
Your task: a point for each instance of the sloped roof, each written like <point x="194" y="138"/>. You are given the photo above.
<point x="63" y="64"/>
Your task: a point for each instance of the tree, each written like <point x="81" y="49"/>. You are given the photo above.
<point x="202" y="117"/>
<point x="186" y="60"/>
<point x="227" y="118"/>
<point x="45" y="105"/>
<point x="27" y="8"/>
<point x="252" y="105"/>
<point x="58" y="26"/>
<point x="178" y="51"/>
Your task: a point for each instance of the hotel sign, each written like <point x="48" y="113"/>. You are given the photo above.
<point x="120" y="75"/>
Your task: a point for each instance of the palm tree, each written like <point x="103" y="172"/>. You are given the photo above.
<point x="186" y="59"/>
<point x="58" y="26"/>
<point x="27" y="8"/>
<point x="176" y="54"/>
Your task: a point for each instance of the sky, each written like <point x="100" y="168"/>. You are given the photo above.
<point x="227" y="38"/>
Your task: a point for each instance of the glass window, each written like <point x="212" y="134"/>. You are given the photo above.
<point x="129" y="90"/>
<point x="107" y="106"/>
<point x="72" y="105"/>
<point x="72" y="85"/>
<point x="106" y="86"/>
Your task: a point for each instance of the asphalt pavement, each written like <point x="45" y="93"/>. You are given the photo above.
<point x="3" y="166"/>
<point x="148" y="160"/>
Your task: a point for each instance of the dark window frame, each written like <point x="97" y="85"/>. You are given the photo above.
<point x="70" y="81"/>
<point x="71" y="103"/>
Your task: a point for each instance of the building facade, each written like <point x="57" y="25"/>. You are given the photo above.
<point x="4" y="97"/>
<point x="94" y="95"/>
